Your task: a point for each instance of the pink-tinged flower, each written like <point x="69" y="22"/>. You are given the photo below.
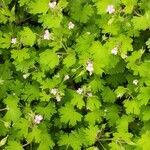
<point x="135" y="82"/>
<point x="47" y="35"/>
<point x="70" y="25"/>
<point x="89" y="67"/>
<point x="38" y="119"/>
<point x="114" y="51"/>
<point x="54" y="91"/>
<point x="13" y="40"/>
<point x="52" y="5"/>
<point x="79" y="91"/>
<point x="110" y="9"/>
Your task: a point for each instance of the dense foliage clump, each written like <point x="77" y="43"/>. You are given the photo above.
<point x="75" y="75"/>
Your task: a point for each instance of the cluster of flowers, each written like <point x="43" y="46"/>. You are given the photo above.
<point x="48" y="36"/>
<point x="84" y="91"/>
<point x="57" y="94"/>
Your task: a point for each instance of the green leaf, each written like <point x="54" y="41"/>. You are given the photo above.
<point x="93" y="103"/>
<point x="94" y="117"/>
<point x="112" y="114"/>
<point x="46" y="111"/>
<point x="145" y="113"/>
<point x="3" y="127"/>
<point x="46" y="142"/>
<point x="129" y="5"/>
<point x="22" y="126"/>
<point x="148" y="43"/>
<point x="69" y="115"/>
<point x="23" y="2"/>
<point x="14" y="144"/>
<point x="38" y="6"/>
<point x="108" y="95"/>
<point x="132" y="107"/>
<point x="123" y="123"/>
<point x="85" y="11"/>
<point x="5" y="40"/>
<point x="83" y="43"/>
<point x="115" y="146"/>
<point x="13" y="113"/>
<point x="49" y="59"/>
<point x="25" y="64"/>
<point x="96" y="84"/>
<point x="34" y="135"/>
<point x="91" y="134"/>
<point x="120" y="91"/>
<point x="20" y="55"/>
<point x="31" y="92"/>
<point x="70" y="60"/>
<point x="142" y="22"/>
<point x="44" y="96"/>
<point x="144" y="95"/>
<point x="124" y="136"/>
<point x="100" y="57"/>
<point x="143" y="142"/>
<point x="27" y="37"/>
<point x="77" y="101"/>
<point x="51" y="20"/>
<point x="71" y="140"/>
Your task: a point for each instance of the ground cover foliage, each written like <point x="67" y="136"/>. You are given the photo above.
<point x="74" y="75"/>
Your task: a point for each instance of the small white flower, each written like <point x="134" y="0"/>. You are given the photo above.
<point x="14" y="94"/>
<point x="13" y="40"/>
<point x="135" y="82"/>
<point x="66" y="77"/>
<point x="70" y="25"/>
<point x="54" y="91"/>
<point x="105" y="110"/>
<point x="58" y="98"/>
<point x="89" y="67"/>
<point x="90" y="94"/>
<point x="52" y="5"/>
<point x="38" y="119"/>
<point x="88" y="33"/>
<point x="58" y="56"/>
<point x="96" y="148"/>
<point x="79" y="91"/>
<point x="114" y="51"/>
<point x="47" y="35"/>
<point x="110" y="9"/>
<point x="25" y="76"/>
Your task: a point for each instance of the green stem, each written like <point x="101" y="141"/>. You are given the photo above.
<point x="25" y="144"/>
<point x="63" y="46"/>
<point x="102" y="145"/>
<point x="3" y="109"/>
